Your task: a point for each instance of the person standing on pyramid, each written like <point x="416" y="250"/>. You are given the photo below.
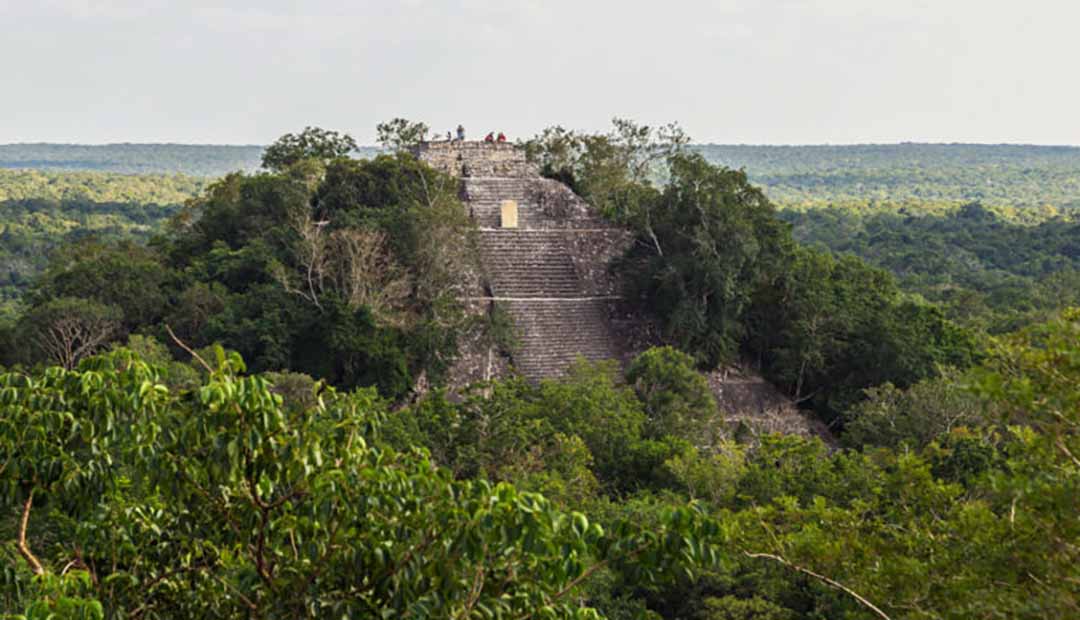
<point x="461" y="133"/>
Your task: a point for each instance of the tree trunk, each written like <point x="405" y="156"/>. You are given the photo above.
<point x="24" y="549"/>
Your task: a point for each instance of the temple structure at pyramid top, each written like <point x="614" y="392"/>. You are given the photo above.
<point x="463" y="158"/>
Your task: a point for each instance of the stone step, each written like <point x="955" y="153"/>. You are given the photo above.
<point x="532" y="268"/>
<point x="553" y="334"/>
<point x="528" y="264"/>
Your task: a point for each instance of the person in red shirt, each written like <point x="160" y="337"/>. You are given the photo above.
<point x="502" y="137"/>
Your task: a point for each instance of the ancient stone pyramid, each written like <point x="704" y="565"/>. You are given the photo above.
<point x="544" y="256"/>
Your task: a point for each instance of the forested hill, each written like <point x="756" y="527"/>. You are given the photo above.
<point x="994" y="174"/>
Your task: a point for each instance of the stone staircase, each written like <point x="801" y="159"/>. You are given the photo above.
<point x="531" y="274"/>
<point x="485" y="196"/>
<point x="542" y="203"/>
<point x="535" y="271"/>
<point x="554" y="333"/>
<point x="528" y="263"/>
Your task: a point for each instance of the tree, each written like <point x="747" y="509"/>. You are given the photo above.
<point x="1034" y="375"/>
<point x="353" y="264"/>
<point x="711" y="241"/>
<point x="312" y="143"/>
<point x="676" y="397"/>
<point x="399" y="134"/>
<point x="67" y="329"/>
<point x="928" y="410"/>
<point x="355" y="279"/>
<point x="615" y="171"/>
<point x="593" y="403"/>
<point x="596" y="164"/>
<point x="222" y="502"/>
<point x="126" y="275"/>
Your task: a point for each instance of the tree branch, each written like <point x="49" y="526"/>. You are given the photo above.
<point x="585" y="575"/>
<point x="835" y="584"/>
<point x="24" y="549"/>
<point x="180" y="343"/>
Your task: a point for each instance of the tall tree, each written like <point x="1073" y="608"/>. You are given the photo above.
<point x="400" y="134"/>
<point x="311" y="143"/>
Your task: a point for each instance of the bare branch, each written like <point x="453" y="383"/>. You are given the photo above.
<point x="835" y="584"/>
<point x="365" y="274"/>
<point x="67" y="334"/>
<point x="180" y="343"/>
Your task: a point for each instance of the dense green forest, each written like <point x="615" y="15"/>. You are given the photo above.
<point x="993" y="174"/>
<point x="98" y="187"/>
<point x="223" y="421"/>
<point x="190" y="159"/>
<point x="983" y="229"/>
<point x="41" y="210"/>
<point x="988" y="268"/>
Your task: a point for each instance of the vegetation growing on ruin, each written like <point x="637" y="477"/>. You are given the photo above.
<point x="722" y="275"/>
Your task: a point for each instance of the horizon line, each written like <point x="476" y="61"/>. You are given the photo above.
<point x="721" y="144"/>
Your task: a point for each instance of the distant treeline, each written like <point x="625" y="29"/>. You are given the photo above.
<point x="202" y="160"/>
<point x="999" y="174"/>
<point x="994" y="174"/>
<point x="195" y="160"/>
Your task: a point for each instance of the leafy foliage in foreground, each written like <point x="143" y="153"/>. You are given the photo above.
<point x="239" y="497"/>
<point x="957" y="498"/>
<point x="221" y="501"/>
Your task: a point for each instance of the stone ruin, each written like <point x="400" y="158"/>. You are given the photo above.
<point x="545" y="257"/>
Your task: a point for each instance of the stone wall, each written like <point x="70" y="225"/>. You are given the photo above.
<point x="593" y="252"/>
<point x="480" y="358"/>
<point x="476" y="159"/>
<point x="750" y="407"/>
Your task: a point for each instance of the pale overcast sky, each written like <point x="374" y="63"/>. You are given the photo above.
<point x="731" y="71"/>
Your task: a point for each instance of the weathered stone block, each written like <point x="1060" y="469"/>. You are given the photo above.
<point x="509" y="214"/>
